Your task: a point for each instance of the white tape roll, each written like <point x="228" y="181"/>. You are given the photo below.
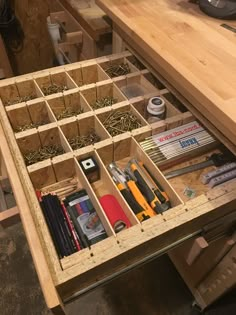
<point x="156" y="109"/>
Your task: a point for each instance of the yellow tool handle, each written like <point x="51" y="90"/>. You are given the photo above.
<point x="146" y="190"/>
<point x="140" y="198"/>
<point x="159" y="190"/>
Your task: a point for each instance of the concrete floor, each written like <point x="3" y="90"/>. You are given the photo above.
<point x="153" y="289"/>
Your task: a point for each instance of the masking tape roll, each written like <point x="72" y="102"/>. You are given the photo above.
<point x="114" y="213"/>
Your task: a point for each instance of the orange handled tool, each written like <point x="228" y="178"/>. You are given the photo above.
<point x="145" y="187"/>
<point x="157" y="188"/>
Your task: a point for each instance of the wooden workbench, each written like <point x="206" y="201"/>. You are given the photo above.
<point x="190" y="50"/>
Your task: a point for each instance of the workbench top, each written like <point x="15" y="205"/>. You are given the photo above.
<point x="194" y="52"/>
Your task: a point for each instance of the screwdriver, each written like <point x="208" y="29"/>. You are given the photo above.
<point x="145" y="189"/>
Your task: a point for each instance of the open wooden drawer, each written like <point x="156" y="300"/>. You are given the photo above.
<point x="31" y="119"/>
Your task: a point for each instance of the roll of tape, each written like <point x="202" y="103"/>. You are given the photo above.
<point x="114" y="213"/>
<point x="156" y="106"/>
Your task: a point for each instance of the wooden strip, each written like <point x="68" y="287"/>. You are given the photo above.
<point x="42" y="230"/>
<point x="45" y="279"/>
<point x="9" y="217"/>
<point x="198" y="245"/>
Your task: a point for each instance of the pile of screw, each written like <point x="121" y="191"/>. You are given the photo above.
<point x="103" y="102"/>
<point x="28" y="126"/>
<point x="42" y="154"/>
<point x="138" y="64"/>
<point x="20" y="100"/>
<point x="116" y="70"/>
<point x="82" y="141"/>
<point x="118" y="122"/>
<point x="155" y="82"/>
<point x="69" y="112"/>
<point x="54" y="88"/>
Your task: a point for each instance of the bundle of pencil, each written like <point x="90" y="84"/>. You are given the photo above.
<point x="62" y="188"/>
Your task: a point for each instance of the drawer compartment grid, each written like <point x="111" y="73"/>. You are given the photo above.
<point x="59" y="106"/>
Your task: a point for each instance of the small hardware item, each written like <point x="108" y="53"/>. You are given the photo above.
<point x="220" y="9"/>
<point x="156" y="109"/>
<point x="189" y="192"/>
<point x="138" y="64"/>
<point x="216" y="159"/>
<point x="118" y="122"/>
<point x="54" y="88"/>
<point x="116" y="70"/>
<point x="79" y="142"/>
<point x="222" y="170"/>
<point x="90" y="168"/>
<point x="104" y="102"/>
<point x="68" y="112"/>
<point x="29" y="126"/>
<point x="46" y="152"/>
<point x="20" y="100"/>
<point x="114" y="213"/>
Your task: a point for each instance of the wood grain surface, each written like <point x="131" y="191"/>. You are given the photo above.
<point x="36" y="52"/>
<point x="191" y="50"/>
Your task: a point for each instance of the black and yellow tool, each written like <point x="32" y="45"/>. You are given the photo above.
<point x="147" y="187"/>
<point x="157" y="188"/>
<point x="131" y="193"/>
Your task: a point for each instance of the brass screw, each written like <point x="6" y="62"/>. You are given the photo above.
<point x="44" y="153"/>
<point x="138" y="64"/>
<point x="83" y="141"/>
<point x="29" y="126"/>
<point x="69" y="112"/>
<point x="103" y="102"/>
<point x="116" y="70"/>
<point x="54" y="88"/>
<point x="20" y="100"/>
<point x="118" y="122"/>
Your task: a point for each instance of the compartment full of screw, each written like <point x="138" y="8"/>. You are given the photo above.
<point x="118" y="122"/>
<point x="79" y="142"/>
<point x="54" y="88"/>
<point x="104" y="102"/>
<point x="42" y="154"/>
<point x="116" y="70"/>
<point x="20" y="100"/>
<point x="29" y="126"/>
<point x="69" y="112"/>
